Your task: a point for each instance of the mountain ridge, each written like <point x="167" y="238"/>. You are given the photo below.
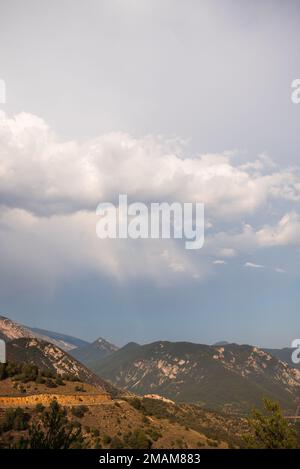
<point x="236" y="376"/>
<point x="10" y="329"/>
<point x="93" y="352"/>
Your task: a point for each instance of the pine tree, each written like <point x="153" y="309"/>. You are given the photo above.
<point x="270" y="429"/>
<point x="54" y="431"/>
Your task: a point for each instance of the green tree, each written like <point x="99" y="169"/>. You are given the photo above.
<point x="53" y="430"/>
<point x="270" y="429"/>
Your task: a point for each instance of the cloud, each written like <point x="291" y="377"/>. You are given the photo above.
<point x="226" y="252"/>
<point x="280" y="270"/>
<point x="41" y="174"/>
<point x="41" y="252"/>
<point x="285" y="233"/>
<point x="254" y="266"/>
<point x="49" y="191"/>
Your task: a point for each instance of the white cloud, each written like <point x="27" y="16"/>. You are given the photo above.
<point x="285" y="233"/>
<point x="55" y="248"/>
<point x="49" y="191"/>
<point x="280" y="270"/>
<point x="254" y="266"/>
<point x="41" y="174"/>
<point x="226" y="252"/>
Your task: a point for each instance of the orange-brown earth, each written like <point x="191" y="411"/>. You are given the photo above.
<point x="111" y="422"/>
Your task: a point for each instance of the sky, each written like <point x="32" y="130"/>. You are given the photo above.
<point x="163" y="101"/>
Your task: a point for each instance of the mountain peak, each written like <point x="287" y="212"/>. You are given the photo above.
<point x="91" y="353"/>
<point x="104" y="345"/>
<point x="221" y="342"/>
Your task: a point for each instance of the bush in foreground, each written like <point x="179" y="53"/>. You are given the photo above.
<point x="270" y="429"/>
<point x="53" y="430"/>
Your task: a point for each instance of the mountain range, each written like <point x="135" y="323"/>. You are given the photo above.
<point x="230" y="377"/>
<point x="227" y="377"/>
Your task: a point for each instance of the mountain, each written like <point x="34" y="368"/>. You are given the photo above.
<point x="229" y="378"/>
<point x="10" y="329"/>
<point x="67" y="342"/>
<point x="284" y="354"/>
<point x="48" y="357"/>
<point x="222" y="342"/>
<point x="90" y="354"/>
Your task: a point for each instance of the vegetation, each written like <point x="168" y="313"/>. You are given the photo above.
<point x="14" y="419"/>
<point x="79" y="411"/>
<point x="39" y="408"/>
<point x="55" y="427"/>
<point x="137" y="439"/>
<point x="270" y="429"/>
<point x="116" y="443"/>
<point x="215" y="426"/>
<point x="153" y="433"/>
<point x="53" y="430"/>
<point x="79" y="389"/>
<point x="25" y="372"/>
<point x="28" y="372"/>
<point x="50" y="383"/>
<point x="106" y="439"/>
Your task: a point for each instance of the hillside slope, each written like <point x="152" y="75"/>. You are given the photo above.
<point x="111" y="423"/>
<point x="285" y="355"/>
<point x="232" y="377"/>
<point x="48" y="357"/>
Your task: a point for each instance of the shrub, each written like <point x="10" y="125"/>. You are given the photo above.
<point x="50" y="383"/>
<point x="138" y="439"/>
<point x="106" y="439"/>
<point x="54" y="431"/>
<point x="15" y="419"/>
<point x="39" y="408"/>
<point x="40" y="379"/>
<point x="136" y="403"/>
<point x="79" y="411"/>
<point x="79" y="389"/>
<point x="24" y="372"/>
<point x="212" y="443"/>
<point x="59" y="381"/>
<point x="154" y="434"/>
<point x="116" y="443"/>
<point x="270" y="430"/>
<point x="97" y="444"/>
